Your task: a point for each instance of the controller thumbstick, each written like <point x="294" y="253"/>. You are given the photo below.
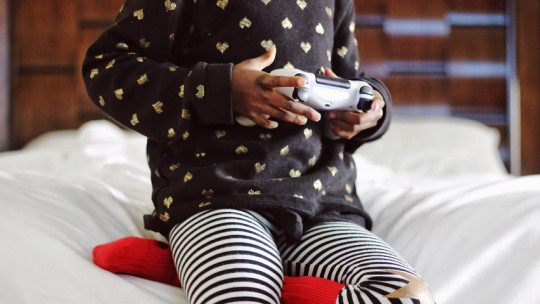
<point x="302" y="93"/>
<point x="366" y="90"/>
<point x="364" y="104"/>
<point x="366" y="99"/>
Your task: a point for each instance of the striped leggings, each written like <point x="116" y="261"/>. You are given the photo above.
<point x="233" y="256"/>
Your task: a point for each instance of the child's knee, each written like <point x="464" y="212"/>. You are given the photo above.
<point x="415" y="288"/>
<point x="389" y="286"/>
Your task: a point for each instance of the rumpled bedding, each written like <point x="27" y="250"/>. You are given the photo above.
<point x="436" y="189"/>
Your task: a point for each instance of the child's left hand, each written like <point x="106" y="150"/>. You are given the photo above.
<point x="348" y="124"/>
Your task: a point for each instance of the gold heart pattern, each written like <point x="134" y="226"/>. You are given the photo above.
<point x="169" y="6"/>
<point x="307" y="39"/>
<point x="245" y="23"/>
<point x="222" y="4"/>
<point x="286" y="23"/>
<point x="168" y="202"/>
<point x="342" y="51"/>
<point x="266" y="44"/>
<point x="200" y="91"/>
<point x="306" y="46"/>
<point x="139" y="14"/>
<point x="308" y="133"/>
<point x="158" y="107"/>
<point x="222" y="46"/>
<point x="134" y="120"/>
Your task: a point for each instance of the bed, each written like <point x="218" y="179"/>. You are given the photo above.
<point x="436" y="188"/>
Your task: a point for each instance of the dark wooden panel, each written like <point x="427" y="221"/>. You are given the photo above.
<point x="477" y="6"/>
<point x="4" y="75"/>
<point x="370" y="7"/>
<point x="487" y="94"/>
<point x="432" y="9"/>
<point x="417" y="48"/>
<point x="466" y="94"/>
<point x="99" y="10"/>
<point x="372" y="44"/>
<point x="528" y="32"/>
<point x="41" y="106"/>
<point x="46" y="32"/>
<point x="415" y="90"/>
<point x="484" y="44"/>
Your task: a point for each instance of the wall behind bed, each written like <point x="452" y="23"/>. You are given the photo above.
<point x="439" y="57"/>
<point x="457" y="58"/>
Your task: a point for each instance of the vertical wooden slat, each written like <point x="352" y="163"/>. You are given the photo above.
<point x="44" y="88"/>
<point x="528" y="56"/>
<point x="4" y="75"/>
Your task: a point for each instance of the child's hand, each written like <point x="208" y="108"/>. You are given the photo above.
<point x="348" y="124"/>
<point x="253" y="94"/>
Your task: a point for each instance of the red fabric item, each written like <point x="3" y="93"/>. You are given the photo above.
<point x="145" y="258"/>
<point x="309" y="290"/>
<point x="151" y="259"/>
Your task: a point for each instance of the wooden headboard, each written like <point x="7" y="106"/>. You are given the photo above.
<point x="438" y="57"/>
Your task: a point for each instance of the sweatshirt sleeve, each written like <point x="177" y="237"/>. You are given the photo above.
<point x="346" y="64"/>
<point x="128" y="73"/>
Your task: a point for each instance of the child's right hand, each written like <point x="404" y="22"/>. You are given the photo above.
<point x="253" y="94"/>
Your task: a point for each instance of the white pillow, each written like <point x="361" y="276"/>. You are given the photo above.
<point x="437" y="146"/>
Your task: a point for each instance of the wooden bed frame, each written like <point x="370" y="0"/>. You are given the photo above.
<point x="439" y="57"/>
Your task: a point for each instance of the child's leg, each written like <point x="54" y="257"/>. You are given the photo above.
<point x="226" y="255"/>
<point x="152" y="260"/>
<point x="349" y="254"/>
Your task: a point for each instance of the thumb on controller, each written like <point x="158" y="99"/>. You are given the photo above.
<point x="263" y="61"/>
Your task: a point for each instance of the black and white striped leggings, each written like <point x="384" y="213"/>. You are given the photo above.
<point x="227" y="256"/>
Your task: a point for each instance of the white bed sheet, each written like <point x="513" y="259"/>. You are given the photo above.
<point x="472" y="231"/>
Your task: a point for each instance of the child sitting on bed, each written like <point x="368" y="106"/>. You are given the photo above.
<point x="242" y="207"/>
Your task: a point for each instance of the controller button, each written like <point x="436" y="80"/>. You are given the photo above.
<point x="366" y="90"/>
<point x="301" y="94"/>
<point x="303" y="76"/>
<point x="364" y="104"/>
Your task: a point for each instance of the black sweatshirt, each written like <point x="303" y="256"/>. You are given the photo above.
<point x="164" y="70"/>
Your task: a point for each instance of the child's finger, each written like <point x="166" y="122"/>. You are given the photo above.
<point x="263" y="121"/>
<point x="328" y="72"/>
<point x="352" y="118"/>
<point x="271" y="81"/>
<point x="282" y="102"/>
<point x="263" y="61"/>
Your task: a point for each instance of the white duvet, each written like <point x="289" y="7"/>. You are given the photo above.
<point x="436" y="189"/>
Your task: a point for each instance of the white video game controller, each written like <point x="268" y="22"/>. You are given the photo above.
<point x="328" y="93"/>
